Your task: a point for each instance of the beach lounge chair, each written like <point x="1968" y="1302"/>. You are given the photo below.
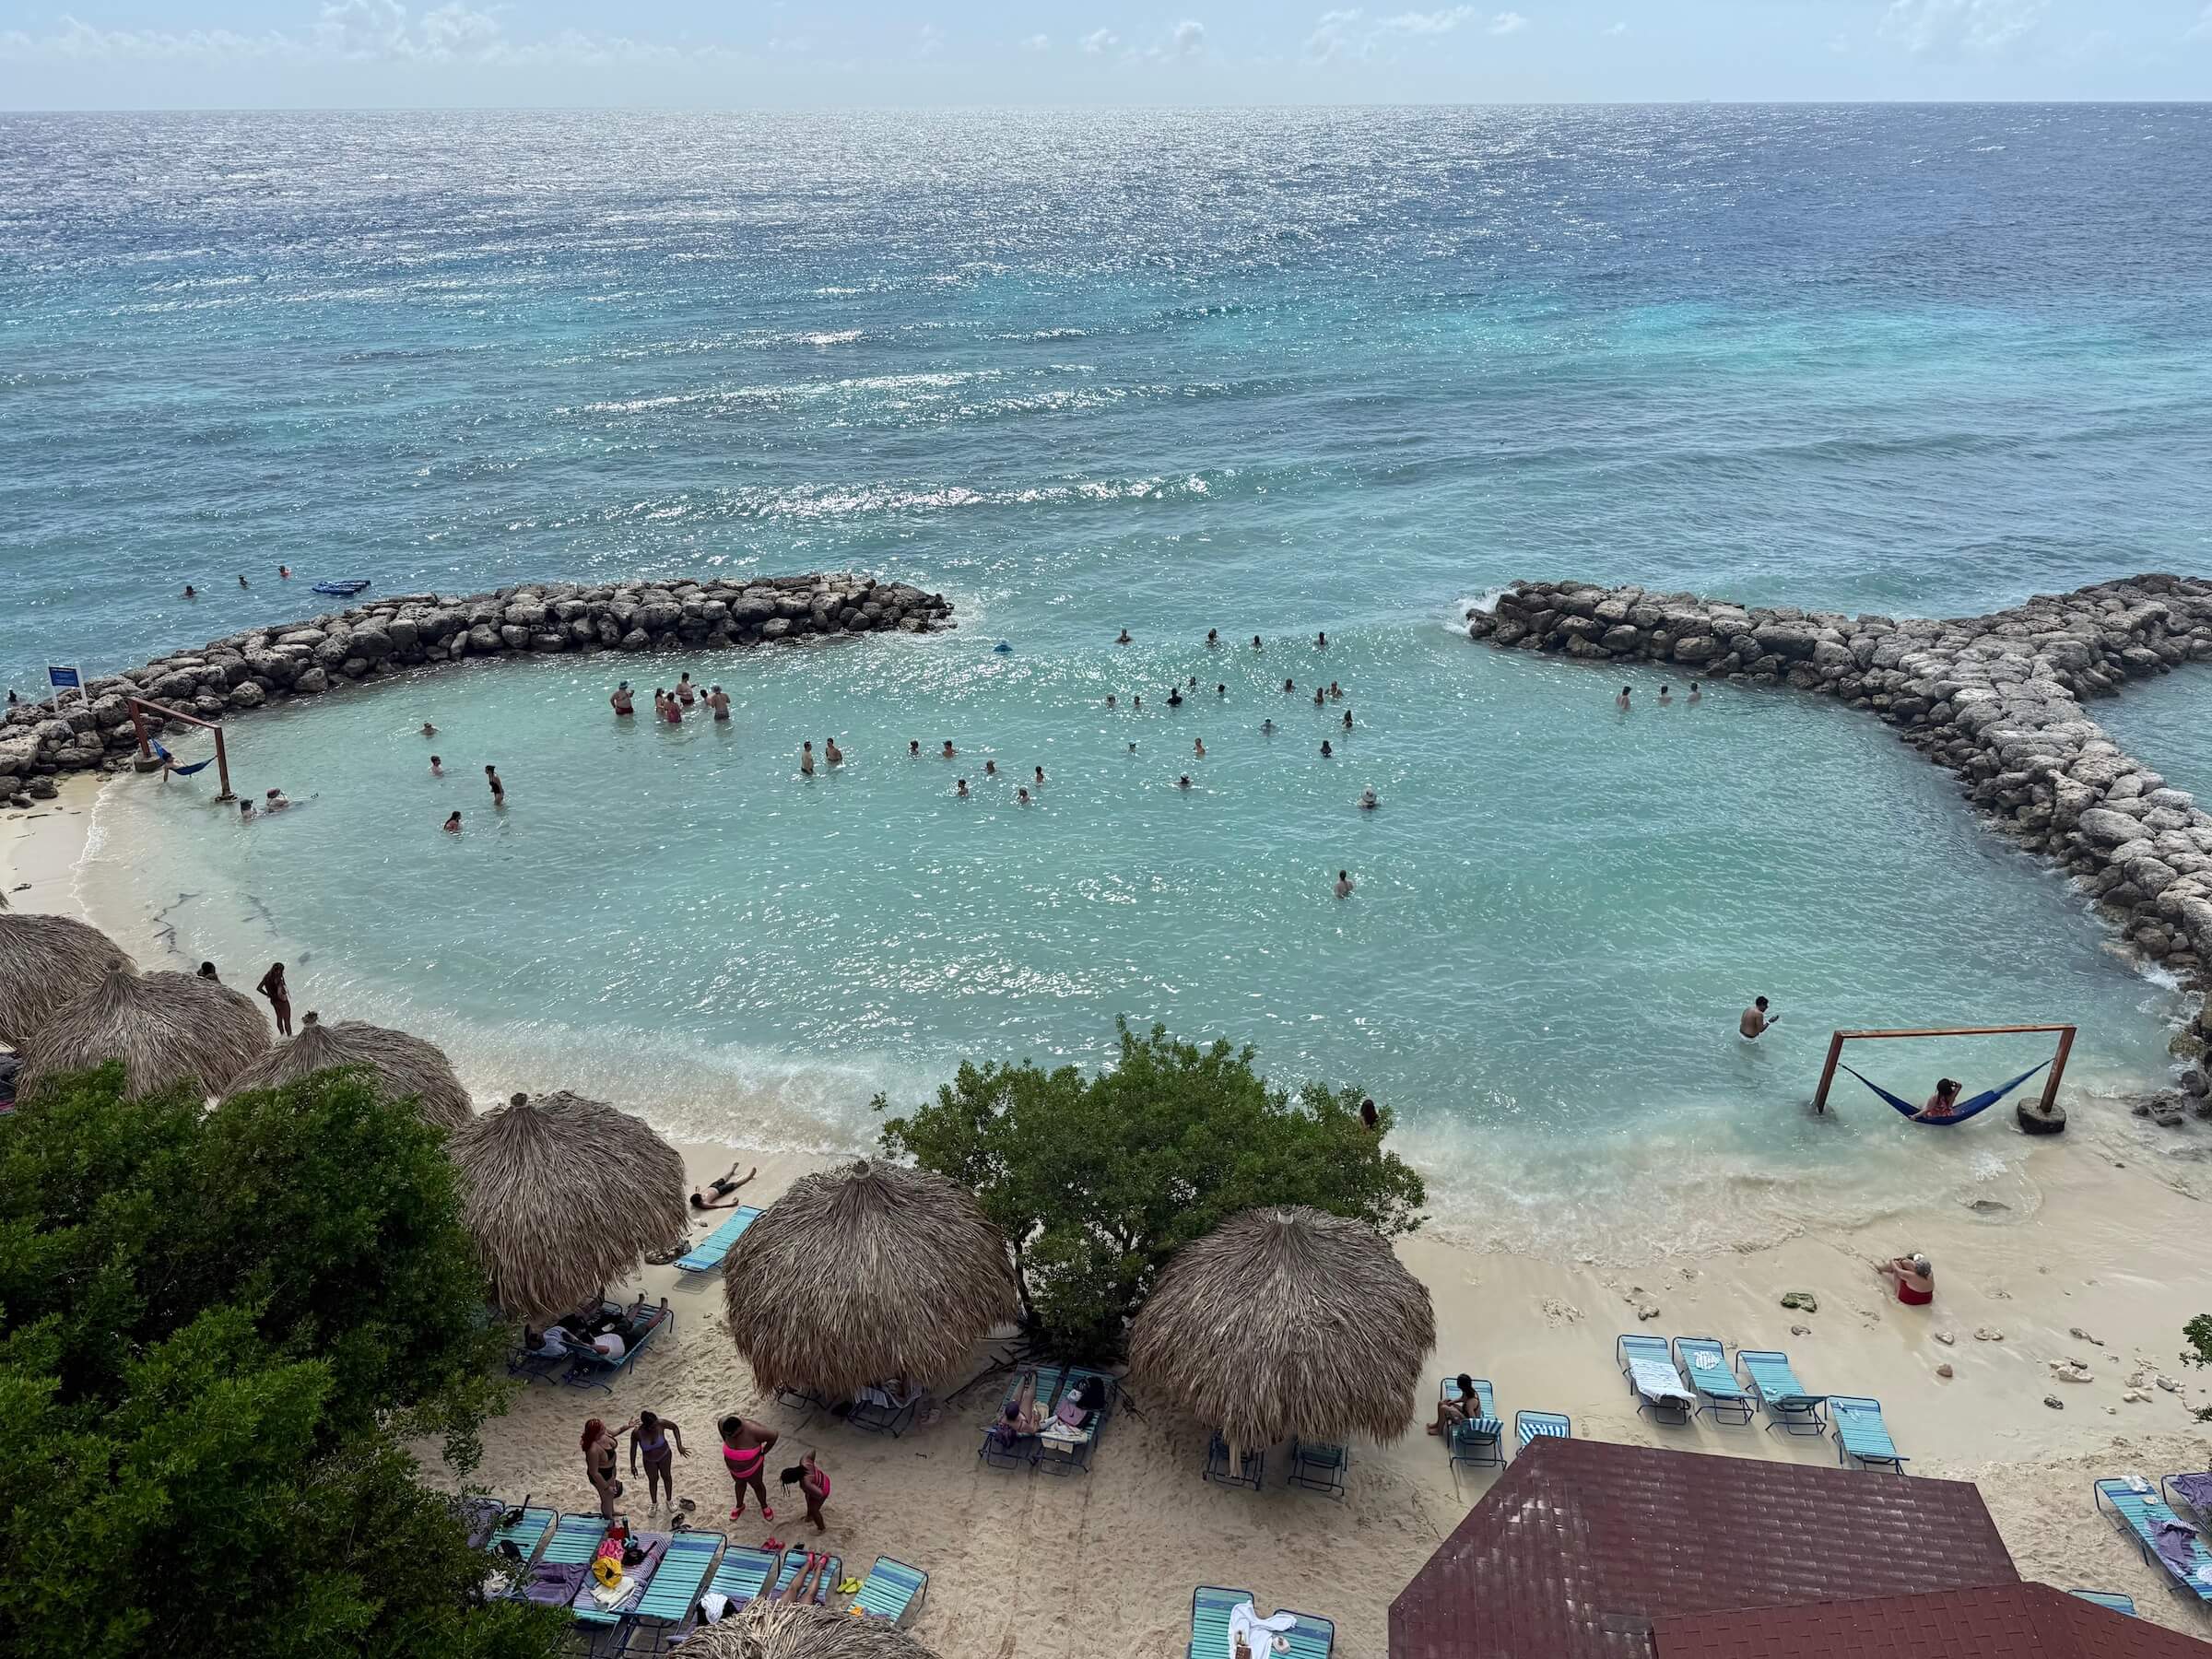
<point x="535" y="1367"/>
<point x="1065" y="1452"/>
<point x="562" y="1564"/>
<point x="794" y="1563"/>
<point x="1252" y="1465"/>
<point x="1541" y="1424"/>
<point x="1705" y="1362"/>
<point x="892" y="1590"/>
<point x="708" y="1254"/>
<point x="2188" y="1491"/>
<point x="1309" y="1638"/>
<point x="886" y="1415"/>
<point x="806" y="1401"/>
<point x="1319" y="1467"/>
<point x="1002" y="1452"/>
<point x="527" y="1534"/>
<point x="1648" y="1365"/>
<point x="2108" y="1599"/>
<point x="2166" y="1540"/>
<point x="1861" y="1434"/>
<point x="589" y="1368"/>
<point x="1481" y="1439"/>
<point x="671" y="1598"/>
<point x="742" y="1575"/>
<point x="591" y="1610"/>
<point x="1789" y="1405"/>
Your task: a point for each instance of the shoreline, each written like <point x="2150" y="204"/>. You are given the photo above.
<point x="1540" y="1326"/>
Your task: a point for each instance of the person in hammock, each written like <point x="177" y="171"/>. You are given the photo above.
<point x="1943" y="1105"/>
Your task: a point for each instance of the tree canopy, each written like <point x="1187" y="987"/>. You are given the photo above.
<point x="1097" y="1180"/>
<point x="217" y="1331"/>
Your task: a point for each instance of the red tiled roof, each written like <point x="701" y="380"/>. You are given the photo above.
<point x="1999" y="1621"/>
<point x="1581" y="1545"/>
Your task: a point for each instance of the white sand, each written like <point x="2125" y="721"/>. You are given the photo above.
<point x="1029" y="1564"/>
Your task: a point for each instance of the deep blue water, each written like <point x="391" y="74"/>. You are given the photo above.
<point x="1268" y="371"/>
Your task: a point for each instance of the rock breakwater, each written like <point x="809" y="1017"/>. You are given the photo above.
<point x="1998" y="699"/>
<point x="327" y="653"/>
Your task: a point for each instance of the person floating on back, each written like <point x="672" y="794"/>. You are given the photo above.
<point x="1755" y="1019"/>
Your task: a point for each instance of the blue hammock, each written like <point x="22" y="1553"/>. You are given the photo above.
<point x="186" y="771"/>
<point x="1967" y="1109"/>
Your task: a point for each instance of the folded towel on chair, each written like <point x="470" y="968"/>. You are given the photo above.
<point x="1656" y="1379"/>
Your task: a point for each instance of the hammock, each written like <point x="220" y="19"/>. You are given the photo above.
<point x="1967" y="1109"/>
<point x="186" y="771"/>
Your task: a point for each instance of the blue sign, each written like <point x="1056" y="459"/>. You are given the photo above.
<point x="64" y="679"/>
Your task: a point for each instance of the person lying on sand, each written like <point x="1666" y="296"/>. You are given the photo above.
<point x="721" y="1186"/>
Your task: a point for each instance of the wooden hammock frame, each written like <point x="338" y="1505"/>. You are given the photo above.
<point x="140" y="708"/>
<point x="2058" y="1065"/>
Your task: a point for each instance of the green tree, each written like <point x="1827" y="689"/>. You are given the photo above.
<point x="217" y="1331"/>
<point x="1098" y="1180"/>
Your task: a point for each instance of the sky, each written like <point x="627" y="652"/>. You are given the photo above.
<point x="849" y="54"/>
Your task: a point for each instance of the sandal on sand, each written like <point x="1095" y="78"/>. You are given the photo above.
<point x="767" y="1513"/>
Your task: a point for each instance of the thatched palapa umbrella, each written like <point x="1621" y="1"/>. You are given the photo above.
<point x="1285" y="1322"/>
<point x="404" y="1066"/>
<point x="564" y="1196"/>
<point x="46" y="961"/>
<point x="165" y="1028"/>
<point x="777" y="1630"/>
<point x="866" y="1273"/>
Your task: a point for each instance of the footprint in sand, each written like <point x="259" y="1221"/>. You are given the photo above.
<point x="1557" y="1312"/>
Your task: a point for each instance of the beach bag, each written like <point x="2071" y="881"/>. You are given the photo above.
<point x="632" y="1553"/>
<point x="607" y="1569"/>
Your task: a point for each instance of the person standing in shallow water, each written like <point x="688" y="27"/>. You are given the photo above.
<point x="1621" y="702"/>
<point x="281" y="997"/>
<point x="719" y="701"/>
<point x="620" y="699"/>
<point x="685" y="690"/>
<point x="806" y="759"/>
<point x="499" y="790"/>
<point x="1345" y="884"/>
<point x="1756" y="1020"/>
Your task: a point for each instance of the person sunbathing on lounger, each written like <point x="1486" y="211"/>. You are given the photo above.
<point x="808" y="1586"/>
<point x="1450" y="1414"/>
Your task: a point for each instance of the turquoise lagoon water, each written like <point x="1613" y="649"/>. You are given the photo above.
<point x="1263" y="370"/>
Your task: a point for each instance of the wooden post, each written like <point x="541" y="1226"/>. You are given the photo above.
<point x="1827" y="1072"/>
<point x="222" y="766"/>
<point x="146" y="751"/>
<point x="2058" y="1066"/>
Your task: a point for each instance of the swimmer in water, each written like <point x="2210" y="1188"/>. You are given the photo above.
<point x="1255" y="643"/>
<point x="1290" y="686"/>
<point x="284" y="571"/>
<point x="1319" y="696"/>
<point x="685" y="690"/>
<point x="1184" y="781"/>
<point x="1137" y="701"/>
<point x="1124" y="640"/>
<point x="946" y="753"/>
<point x="1174" y="698"/>
<point x="244" y="582"/>
<point x="1268" y="728"/>
<point x="1367" y="798"/>
<point x="1696" y="695"/>
<point x="1347" y="719"/>
<point x="428" y="730"/>
<point x="1132" y="746"/>
<point x="1198" y="749"/>
<point x="1667" y="700"/>
<point x="1038" y="773"/>
<point x="245" y="811"/>
<point x="452" y="824"/>
<point x="1193" y="682"/>
<point x="1221" y="690"/>
<point x="1345" y="884"/>
<point x="718" y="700"/>
<point x="806" y="760"/>
<point x="1110" y="699"/>
<point x="621" y="701"/>
<point x="914" y="749"/>
<point x="959" y="789"/>
<point x="499" y="790"/>
<point x="1756" y="1020"/>
<point x="189" y="592"/>
<point x="831" y="753"/>
<point x="1320" y="642"/>
<point x="990" y="769"/>
<point x="1326" y="750"/>
<point x="1621" y="702"/>
<point x="1022" y="796"/>
<point x="1213" y="638"/>
<point x="437" y="767"/>
<point x="276" y="800"/>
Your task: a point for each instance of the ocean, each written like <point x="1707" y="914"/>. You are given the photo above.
<point x="1271" y="372"/>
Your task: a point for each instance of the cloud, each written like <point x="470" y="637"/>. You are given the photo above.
<point x="1354" y="34"/>
<point x="1335" y="35"/>
<point x="1948" y="28"/>
<point x="1188" y="38"/>
<point x="929" y="40"/>
<point x="1506" y="23"/>
<point x="2201" y="28"/>
<point x="1099" y="41"/>
<point x="1037" y="42"/>
<point x="1617" y="28"/>
<point x="1429" y="23"/>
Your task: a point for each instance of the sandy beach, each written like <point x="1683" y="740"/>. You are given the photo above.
<point x="2089" y="1260"/>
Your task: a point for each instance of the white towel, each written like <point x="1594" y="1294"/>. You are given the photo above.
<point x="1656" y="1379"/>
<point x="1705" y="1360"/>
<point x="1244" y="1620"/>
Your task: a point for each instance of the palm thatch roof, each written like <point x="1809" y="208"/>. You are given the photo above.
<point x="45" y="961"/>
<point x="777" y="1630"/>
<point x="564" y="1196"/>
<point x="404" y="1066"/>
<point x="865" y="1273"/>
<point x="1285" y="1322"/>
<point x="165" y="1028"/>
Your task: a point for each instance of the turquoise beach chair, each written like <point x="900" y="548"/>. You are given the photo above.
<point x="1529" y="1426"/>
<point x="1001" y="1452"/>
<point x="708" y="1254"/>
<point x="1251" y="1470"/>
<point x="1642" y="1359"/>
<point x="527" y="1534"/>
<point x="2145" y="1516"/>
<point x="1056" y="1456"/>
<point x="1789" y="1405"/>
<point x="637" y="1582"/>
<point x="1705" y="1362"/>
<point x="892" y="1590"/>
<point x="1309" y="1638"/>
<point x="794" y="1563"/>
<point x="674" y="1593"/>
<point x="591" y="1370"/>
<point x="1481" y="1439"/>
<point x="574" y="1539"/>
<point x="2108" y="1599"/>
<point x="743" y="1574"/>
<point x="1319" y="1467"/>
<point x="1861" y="1434"/>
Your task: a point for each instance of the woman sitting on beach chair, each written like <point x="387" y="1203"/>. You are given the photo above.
<point x="1021" y="1419"/>
<point x="1450" y="1414"/>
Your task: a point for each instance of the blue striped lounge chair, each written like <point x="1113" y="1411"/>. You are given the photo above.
<point x="1541" y="1424"/>
<point x="671" y="1600"/>
<point x="1004" y="1452"/>
<point x="1251" y="1464"/>
<point x="1056" y="1455"/>
<point x="591" y="1370"/>
<point x="1309" y="1638"/>
<point x="574" y="1539"/>
<point x="1648" y="1365"/>
<point x="1319" y="1467"/>
<point x="794" y="1563"/>
<point x="742" y="1575"/>
<point x="1790" y="1406"/>
<point x="526" y="1533"/>
<point x="1705" y="1362"/>
<point x="892" y="1591"/>
<point x="1481" y="1439"/>
<point x="709" y="1252"/>
<point x="2145" y="1516"/>
<point x="1861" y="1435"/>
<point x="2108" y="1599"/>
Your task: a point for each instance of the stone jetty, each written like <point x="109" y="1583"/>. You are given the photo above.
<point x="1998" y="699"/>
<point x="327" y="653"/>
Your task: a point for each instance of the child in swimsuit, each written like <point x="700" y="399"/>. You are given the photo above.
<point x="814" y="1485"/>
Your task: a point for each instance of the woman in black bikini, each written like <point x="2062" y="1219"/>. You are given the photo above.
<point x="599" y="1446"/>
<point x="281" y="997"/>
